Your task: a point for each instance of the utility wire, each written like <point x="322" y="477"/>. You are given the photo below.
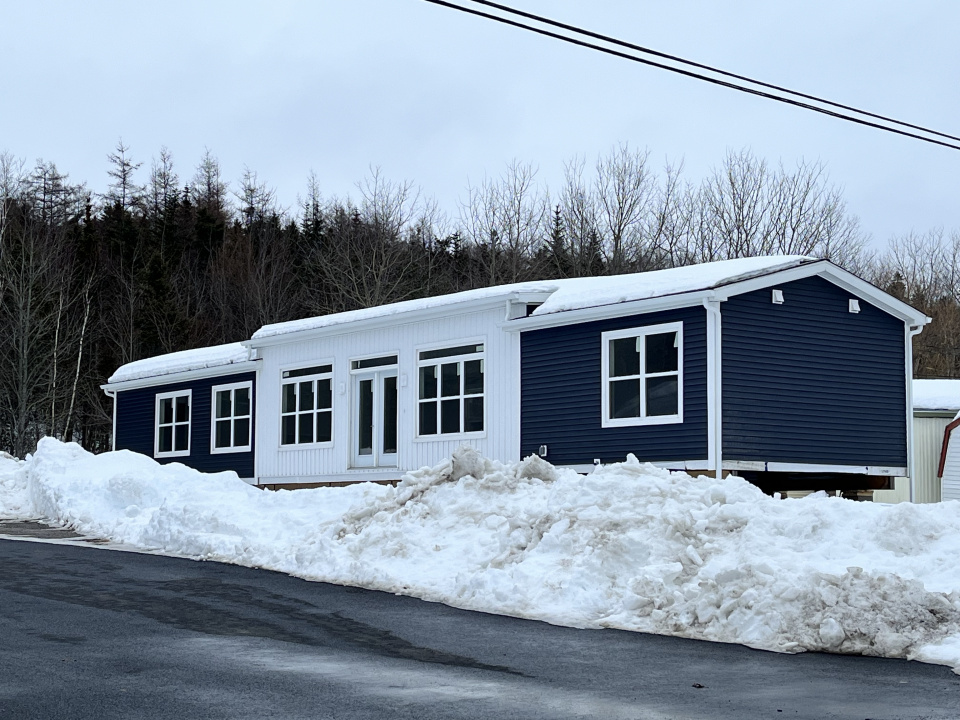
<point x="701" y="66"/>
<point x="699" y="76"/>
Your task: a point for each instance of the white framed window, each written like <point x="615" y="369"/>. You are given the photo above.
<point x="450" y="391"/>
<point x="306" y="406"/>
<point x="172" y="430"/>
<point x="369" y="363"/>
<point x="232" y="416"/>
<point x="642" y="370"/>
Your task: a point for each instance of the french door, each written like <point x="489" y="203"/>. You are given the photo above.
<point x="375" y="418"/>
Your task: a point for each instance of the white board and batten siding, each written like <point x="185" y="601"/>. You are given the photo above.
<point x="951" y="469"/>
<point x="292" y="464"/>
<point x="950" y="482"/>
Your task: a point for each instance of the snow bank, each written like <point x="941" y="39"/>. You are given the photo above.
<point x="629" y="546"/>
<point x="183" y="361"/>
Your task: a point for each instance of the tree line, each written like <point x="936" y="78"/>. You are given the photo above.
<point x="89" y="281"/>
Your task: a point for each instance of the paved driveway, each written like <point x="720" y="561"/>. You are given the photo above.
<point x="89" y="633"/>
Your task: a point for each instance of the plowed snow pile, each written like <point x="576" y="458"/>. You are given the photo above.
<point x="629" y="546"/>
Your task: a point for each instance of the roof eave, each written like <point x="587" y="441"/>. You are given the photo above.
<point x="183" y="376"/>
<point x="610" y="310"/>
<point x="408" y="316"/>
<point x="838" y="276"/>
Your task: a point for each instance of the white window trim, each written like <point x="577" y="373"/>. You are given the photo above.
<point x="214" y="450"/>
<point x="482" y="356"/>
<point x="333" y="391"/>
<point x="642" y="331"/>
<point x="372" y="356"/>
<point x="156" y="423"/>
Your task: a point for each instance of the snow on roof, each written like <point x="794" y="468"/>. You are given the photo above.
<point x="405" y="306"/>
<point x="936" y="395"/>
<point x="579" y="293"/>
<point x="182" y="361"/>
<point x="571" y="293"/>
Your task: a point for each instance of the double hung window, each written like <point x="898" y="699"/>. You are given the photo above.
<point x="232" y="415"/>
<point x="643" y="375"/>
<point x="172" y="436"/>
<point x="450" y="390"/>
<point x="306" y="411"/>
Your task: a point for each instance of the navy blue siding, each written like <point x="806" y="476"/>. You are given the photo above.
<point x="136" y="424"/>
<point x="810" y="382"/>
<point x="560" y="385"/>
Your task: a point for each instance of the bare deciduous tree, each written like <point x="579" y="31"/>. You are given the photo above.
<point x="505" y="218"/>
<point x="624" y="192"/>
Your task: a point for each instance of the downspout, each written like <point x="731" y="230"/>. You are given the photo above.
<point x="714" y="387"/>
<point x="911" y="332"/>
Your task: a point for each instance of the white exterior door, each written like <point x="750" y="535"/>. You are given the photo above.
<point x="375" y="418"/>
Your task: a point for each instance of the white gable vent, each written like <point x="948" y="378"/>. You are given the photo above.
<point x="778" y="297"/>
<point x="854" y="306"/>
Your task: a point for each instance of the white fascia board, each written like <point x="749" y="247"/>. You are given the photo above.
<point x="602" y="312"/>
<point x="725" y="292"/>
<point x="172" y="378"/>
<point x="401" y="318"/>
<point x="839" y="277"/>
<point x="945" y="414"/>
<point x="857" y="286"/>
<point x="762" y="466"/>
<point x="530" y="297"/>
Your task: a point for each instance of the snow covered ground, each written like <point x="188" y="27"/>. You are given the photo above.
<point x="629" y="546"/>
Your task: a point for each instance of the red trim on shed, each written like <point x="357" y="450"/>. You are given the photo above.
<point x="946" y="442"/>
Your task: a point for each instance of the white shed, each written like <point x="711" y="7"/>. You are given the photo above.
<point x="935" y="405"/>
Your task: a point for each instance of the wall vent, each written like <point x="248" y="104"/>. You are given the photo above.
<point x="854" y="306"/>
<point x="778" y="297"/>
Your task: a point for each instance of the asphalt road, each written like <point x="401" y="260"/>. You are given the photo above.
<point x="90" y="633"/>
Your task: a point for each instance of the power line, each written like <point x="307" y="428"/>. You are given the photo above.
<point x="718" y="71"/>
<point x="696" y="75"/>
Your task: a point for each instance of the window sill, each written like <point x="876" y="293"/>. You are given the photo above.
<point x="176" y="453"/>
<point x="639" y="422"/>
<point x="451" y="436"/>
<point x="230" y="450"/>
<point x="306" y="446"/>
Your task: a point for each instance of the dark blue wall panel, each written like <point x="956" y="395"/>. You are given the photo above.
<point x="560" y="384"/>
<point x="810" y="382"/>
<point x="136" y="424"/>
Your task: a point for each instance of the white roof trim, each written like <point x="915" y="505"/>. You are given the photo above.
<point x="558" y="296"/>
<point x="601" y="312"/>
<point x="839" y="277"/>
<point x="457" y="307"/>
<point x="185" y="376"/>
<point x="824" y="268"/>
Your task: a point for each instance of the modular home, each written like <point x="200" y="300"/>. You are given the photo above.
<point x="790" y="371"/>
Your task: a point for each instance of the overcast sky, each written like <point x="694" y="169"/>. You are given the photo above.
<point x="445" y="99"/>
